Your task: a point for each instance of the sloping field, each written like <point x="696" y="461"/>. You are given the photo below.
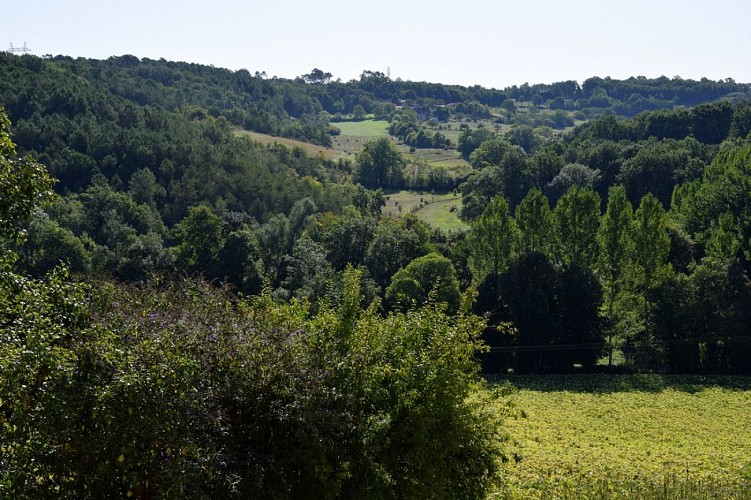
<point x="310" y="149"/>
<point x="438" y="210"/>
<point x="355" y="135"/>
<point x="449" y="159"/>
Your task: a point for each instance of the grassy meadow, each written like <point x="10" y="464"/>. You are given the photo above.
<point x="355" y="134"/>
<point x="450" y="159"/>
<point x="438" y="210"/>
<point x="626" y="436"/>
<point x="310" y="149"/>
<point x="364" y="128"/>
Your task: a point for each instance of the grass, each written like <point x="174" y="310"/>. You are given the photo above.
<point x="450" y="159"/>
<point x="438" y="210"/>
<point x="310" y="149"/>
<point x="443" y="214"/>
<point x="365" y="128"/>
<point x="354" y="135"/>
<point x="627" y="436"/>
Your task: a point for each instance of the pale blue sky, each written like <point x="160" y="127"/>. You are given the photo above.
<point x="485" y="42"/>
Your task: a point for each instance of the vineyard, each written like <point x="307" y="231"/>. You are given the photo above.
<point x="632" y="436"/>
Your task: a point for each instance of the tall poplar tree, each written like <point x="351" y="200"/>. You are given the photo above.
<point x="535" y="221"/>
<point x="649" y="260"/>
<point x="491" y="240"/>
<point x="615" y="247"/>
<point x="651" y="244"/>
<point x="577" y="219"/>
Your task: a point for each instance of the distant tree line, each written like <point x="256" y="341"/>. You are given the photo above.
<point x="302" y="107"/>
<point x="633" y="95"/>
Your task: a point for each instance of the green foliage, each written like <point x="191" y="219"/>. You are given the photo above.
<point x="392" y="248"/>
<point x="535" y="221"/>
<point x="198" y="237"/>
<point x="572" y="175"/>
<point x="724" y="189"/>
<point x="702" y="320"/>
<point x="140" y="145"/>
<point x="177" y="390"/>
<point x="436" y="441"/>
<point x="503" y="169"/>
<point x="577" y="218"/>
<point x="380" y="164"/>
<point x="345" y="238"/>
<point x="428" y="278"/>
<point x="544" y="165"/>
<point x="555" y="312"/>
<point x="491" y="240"/>
<point x="413" y="134"/>
<point x="525" y="137"/>
<point x="47" y="244"/>
<point x="614" y="236"/>
<point x="144" y="188"/>
<point x="41" y="322"/>
<point x="724" y="242"/>
<point x="309" y="275"/>
<point x="658" y="166"/>
<point x="616" y="250"/>
<point x="121" y="127"/>
<point x="491" y="152"/>
<point x="23" y="184"/>
<point x="470" y="139"/>
<point x="651" y="243"/>
<point x="649" y="268"/>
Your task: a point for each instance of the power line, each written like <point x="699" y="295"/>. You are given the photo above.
<point x="596" y="345"/>
<point x="18" y="50"/>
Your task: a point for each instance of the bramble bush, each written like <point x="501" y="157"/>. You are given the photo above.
<point x="178" y="389"/>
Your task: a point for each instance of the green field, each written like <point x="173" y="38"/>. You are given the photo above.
<point x="310" y="149"/>
<point x="354" y="135"/>
<point x="364" y="128"/>
<point x="627" y="436"/>
<point x="450" y="159"/>
<point x="438" y="210"/>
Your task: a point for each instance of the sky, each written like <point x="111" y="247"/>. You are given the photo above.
<point x="472" y="42"/>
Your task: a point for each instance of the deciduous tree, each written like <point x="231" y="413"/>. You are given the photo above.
<point x="535" y="222"/>
<point x="577" y="218"/>
<point x="380" y="164"/>
<point x="491" y="240"/>
<point x="614" y="237"/>
<point x="429" y="277"/>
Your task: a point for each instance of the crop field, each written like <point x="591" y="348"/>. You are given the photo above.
<point x="438" y="210"/>
<point x="626" y="436"/>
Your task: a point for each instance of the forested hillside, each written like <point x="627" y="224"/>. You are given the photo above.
<point x="151" y="178"/>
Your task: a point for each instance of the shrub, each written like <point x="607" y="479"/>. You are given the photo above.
<point x="182" y="390"/>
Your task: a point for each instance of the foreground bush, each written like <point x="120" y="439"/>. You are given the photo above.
<point x="179" y="390"/>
